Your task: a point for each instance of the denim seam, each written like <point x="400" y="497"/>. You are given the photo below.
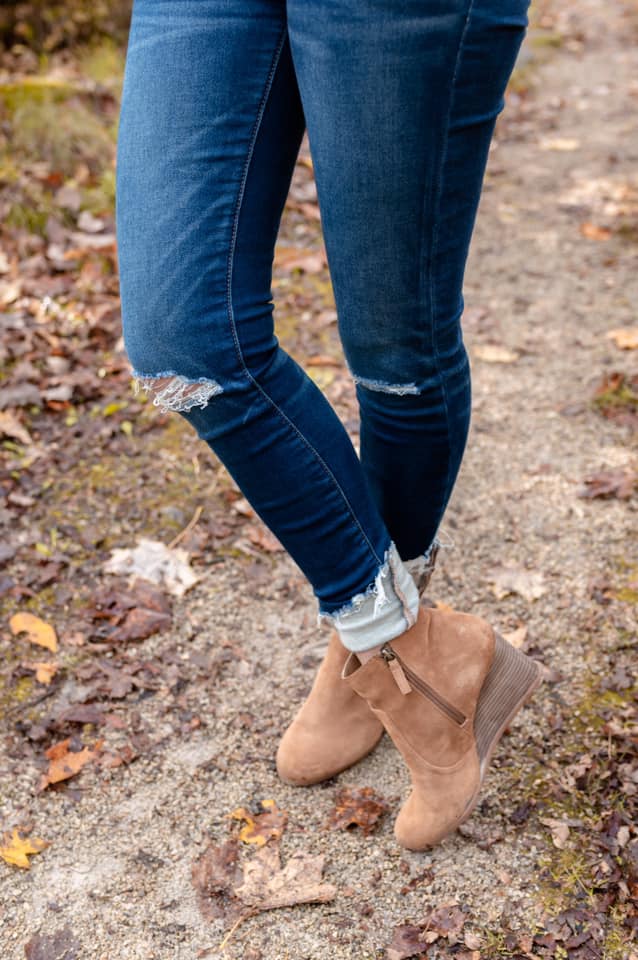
<point x="229" y="280"/>
<point x="438" y="189"/>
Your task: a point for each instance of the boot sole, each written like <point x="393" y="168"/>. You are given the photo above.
<point x="512" y="679"/>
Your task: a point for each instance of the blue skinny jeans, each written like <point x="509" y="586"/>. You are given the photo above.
<point x="399" y="98"/>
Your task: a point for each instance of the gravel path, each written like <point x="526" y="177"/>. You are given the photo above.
<point x="118" y="871"/>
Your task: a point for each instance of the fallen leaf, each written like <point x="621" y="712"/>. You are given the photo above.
<point x="609" y="483"/>
<point x="215" y="876"/>
<point x="136" y="613"/>
<point x="61" y="945"/>
<point x="357" y="806"/>
<point x="15" y="849"/>
<point x="261" y="827"/>
<point x="624" y="337"/>
<point x="66" y="763"/>
<point x="616" y="397"/>
<point x="559" y="831"/>
<point x="10" y="426"/>
<point x="141" y="623"/>
<point x="125" y="754"/>
<point x="267" y="885"/>
<point x="594" y="232"/>
<point x="471" y="940"/>
<point x="447" y="921"/>
<point x="513" y="579"/>
<point x="493" y="353"/>
<point x="154" y="561"/>
<point x="82" y="713"/>
<point x="262" y="537"/>
<point x="406" y="942"/>
<point x="517" y="637"/>
<point x="44" y="672"/>
<point x="36" y="629"/>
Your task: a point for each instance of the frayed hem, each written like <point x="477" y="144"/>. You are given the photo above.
<point x="384" y="588"/>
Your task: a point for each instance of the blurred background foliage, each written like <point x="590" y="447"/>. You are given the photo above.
<point x="44" y="27"/>
<point x="61" y="67"/>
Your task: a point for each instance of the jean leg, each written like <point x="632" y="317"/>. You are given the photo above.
<point x="400" y="102"/>
<point x="210" y="126"/>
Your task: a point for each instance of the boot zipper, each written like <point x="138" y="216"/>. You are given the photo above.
<point x="402" y="674"/>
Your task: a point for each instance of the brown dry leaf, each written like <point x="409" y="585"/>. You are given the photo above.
<point x="624" y="337"/>
<point x="517" y="637"/>
<point x="471" y="940"/>
<point x="267" y="885"/>
<point x="559" y="830"/>
<point x="215" y="876"/>
<point x="262" y="537"/>
<point x="61" y="945"/>
<point x="10" y="426"/>
<point x="446" y="921"/>
<point x="136" y="613"/>
<point x="513" y="579"/>
<point x="36" y="629"/>
<point x="44" y="672"/>
<point x="493" y="353"/>
<point x="406" y="942"/>
<point x="65" y="763"/>
<point x="357" y="806"/>
<point x="262" y="827"/>
<point x="141" y="623"/>
<point x="16" y="850"/>
<point x="609" y="483"/>
<point x="594" y="232"/>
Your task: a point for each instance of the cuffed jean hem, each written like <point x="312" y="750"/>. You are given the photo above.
<point x="388" y="607"/>
<point x="422" y="567"/>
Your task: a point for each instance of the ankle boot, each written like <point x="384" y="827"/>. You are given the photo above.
<point x="444" y="690"/>
<point x="334" y="728"/>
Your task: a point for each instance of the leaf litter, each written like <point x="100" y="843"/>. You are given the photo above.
<point x="233" y="887"/>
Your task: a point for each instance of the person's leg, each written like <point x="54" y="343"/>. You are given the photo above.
<point x="400" y="101"/>
<point x="210" y="127"/>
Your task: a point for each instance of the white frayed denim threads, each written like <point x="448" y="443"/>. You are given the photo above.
<point x="170" y="391"/>
<point x="388" y="607"/>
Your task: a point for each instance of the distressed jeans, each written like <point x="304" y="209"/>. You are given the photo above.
<point x="399" y="99"/>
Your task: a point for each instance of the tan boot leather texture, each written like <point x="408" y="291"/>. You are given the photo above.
<point x="332" y="730"/>
<point x="335" y="727"/>
<point x="444" y="690"/>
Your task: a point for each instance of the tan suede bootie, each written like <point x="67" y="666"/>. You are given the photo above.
<point x="445" y="690"/>
<point x="335" y="727"/>
<point x="332" y="730"/>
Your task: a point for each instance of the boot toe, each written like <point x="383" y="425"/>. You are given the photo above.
<point x="304" y="757"/>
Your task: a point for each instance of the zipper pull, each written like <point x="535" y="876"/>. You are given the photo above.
<point x="396" y="669"/>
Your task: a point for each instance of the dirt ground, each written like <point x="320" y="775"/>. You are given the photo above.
<point x="553" y="268"/>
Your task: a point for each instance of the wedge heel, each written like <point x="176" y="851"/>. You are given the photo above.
<point x="512" y="679"/>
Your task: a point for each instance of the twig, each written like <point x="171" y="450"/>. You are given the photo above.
<point x="31" y="703"/>
<point x="189" y="526"/>
<point x="244" y="916"/>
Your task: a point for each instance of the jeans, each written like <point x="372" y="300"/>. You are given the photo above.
<point x="399" y="98"/>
